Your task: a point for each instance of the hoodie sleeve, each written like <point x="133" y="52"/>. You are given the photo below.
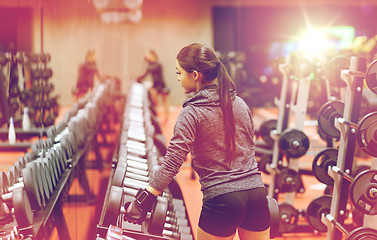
<point x="180" y="145"/>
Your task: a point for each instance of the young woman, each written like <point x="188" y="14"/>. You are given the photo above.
<point x="217" y="128"/>
<point x="159" y="88"/>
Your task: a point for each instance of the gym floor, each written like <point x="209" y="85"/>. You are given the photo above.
<point x="82" y="218"/>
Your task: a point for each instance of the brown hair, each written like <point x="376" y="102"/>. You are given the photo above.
<point x="203" y="59"/>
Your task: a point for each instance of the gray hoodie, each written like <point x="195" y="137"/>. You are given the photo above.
<point x="199" y="129"/>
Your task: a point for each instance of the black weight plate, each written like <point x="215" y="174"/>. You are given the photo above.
<point x="31" y="188"/>
<point x="323" y="136"/>
<point x="326" y="116"/>
<point x="363" y="192"/>
<point x="288" y="218"/>
<point x="366" y="134"/>
<point x="22" y="208"/>
<point x="357" y="215"/>
<point x="321" y="163"/>
<point x="362" y="233"/>
<point x="334" y="68"/>
<point x="316" y="208"/>
<point x="113" y="206"/>
<point x="293" y="143"/>
<point x="158" y="216"/>
<point x="265" y="131"/>
<point x="358" y="169"/>
<point x="275" y="217"/>
<point x="371" y="77"/>
<point x="119" y="173"/>
<point x="288" y="180"/>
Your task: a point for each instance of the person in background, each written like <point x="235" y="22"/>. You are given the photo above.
<point x="158" y="88"/>
<point x="216" y="127"/>
<point x="86" y="74"/>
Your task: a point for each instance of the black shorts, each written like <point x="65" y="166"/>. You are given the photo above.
<point x="222" y="215"/>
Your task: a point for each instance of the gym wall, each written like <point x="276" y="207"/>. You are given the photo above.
<point x="68" y="28"/>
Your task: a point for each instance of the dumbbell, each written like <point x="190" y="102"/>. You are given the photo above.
<point x="45" y="169"/>
<point x="28" y="183"/>
<point x="17" y="196"/>
<point x="58" y="153"/>
<point x="21" y="163"/>
<point x="114" y="208"/>
<point x="56" y="164"/>
<point x="20" y="203"/>
<point x="10" y="176"/>
<point x="176" y="209"/>
<point x="320" y="207"/>
<point x="289" y="180"/>
<point x="50" y="166"/>
<point x="292" y="142"/>
<point x="274" y="217"/>
<point x="44" y="189"/>
<point x="363" y="189"/>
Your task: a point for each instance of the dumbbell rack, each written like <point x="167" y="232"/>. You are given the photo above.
<point x="137" y="127"/>
<point x="57" y="160"/>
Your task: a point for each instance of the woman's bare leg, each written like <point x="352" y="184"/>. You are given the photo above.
<point x="202" y="235"/>
<point x="246" y="235"/>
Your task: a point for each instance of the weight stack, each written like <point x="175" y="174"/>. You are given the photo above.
<point x="139" y="150"/>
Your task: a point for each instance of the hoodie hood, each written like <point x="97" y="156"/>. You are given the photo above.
<point x="207" y="96"/>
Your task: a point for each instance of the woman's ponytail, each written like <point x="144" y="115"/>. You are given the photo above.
<point x="225" y="85"/>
